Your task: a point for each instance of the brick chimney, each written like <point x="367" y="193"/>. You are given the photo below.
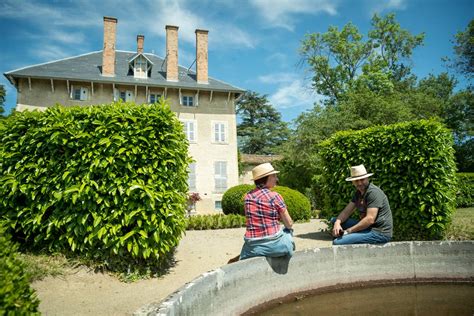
<point x="171" y="53"/>
<point x="108" y="55"/>
<point x="140" y="40"/>
<point x="201" y="56"/>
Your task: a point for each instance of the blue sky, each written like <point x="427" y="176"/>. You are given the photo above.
<point x="253" y="44"/>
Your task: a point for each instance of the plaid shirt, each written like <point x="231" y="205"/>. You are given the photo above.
<point x="262" y="210"/>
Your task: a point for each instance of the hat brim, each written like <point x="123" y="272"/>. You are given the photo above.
<point x="359" y="177"/>
<point x="265" y="174"/>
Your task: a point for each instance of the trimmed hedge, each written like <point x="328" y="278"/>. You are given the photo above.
<point x="215" y="221"/>
<point x="16" y="295"/>
<point x="106" y="182"/>
<point x="412" y="162"/>
<point x="298" y="205"/>
<point x="465" y="190"/>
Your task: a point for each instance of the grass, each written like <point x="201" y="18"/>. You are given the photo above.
<point x="39" y="266"/>
<point x="462" y="226"/>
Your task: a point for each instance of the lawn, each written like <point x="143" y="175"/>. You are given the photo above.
<point x="462" y="227"/>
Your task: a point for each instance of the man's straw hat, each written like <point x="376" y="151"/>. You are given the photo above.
<point x="358" y="172"/>
<point x="263" y="170"/>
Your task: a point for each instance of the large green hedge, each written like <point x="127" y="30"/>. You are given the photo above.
<point x="298" y="205"/>
<point x="107" y="182"/>
<point x="412" y="162"/>
<point x="465" y="190"/>
<point x="16" y="295"/>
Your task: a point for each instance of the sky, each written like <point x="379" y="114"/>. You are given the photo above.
<point x="253" y="44"/>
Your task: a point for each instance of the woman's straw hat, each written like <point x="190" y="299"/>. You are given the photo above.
<point x="263" y="170"/>
<point x="358" y="172"/>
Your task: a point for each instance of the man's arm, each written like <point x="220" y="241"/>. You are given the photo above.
<point x="366" y="222"/>
<point x="345" y="214"/>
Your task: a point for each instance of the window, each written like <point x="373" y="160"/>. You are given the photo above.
<point x="126" y="96"/>
<point x="192" y="177"/>
<point x="219" y="132"/>
<point x="79" y="93"/>
<point x="154" y="98"/>
<point x="220" y="175"/>
<point x="188" y="100"/>
<point x="218" y="205"/>
<point x="190" y="130"/>
<point x="140" y="69"/>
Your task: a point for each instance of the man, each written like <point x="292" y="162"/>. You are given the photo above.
<point x="375" y="224"/>
<point x="264" y="209"/>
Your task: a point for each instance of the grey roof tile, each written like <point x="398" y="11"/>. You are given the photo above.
<point x="87" y="67"/>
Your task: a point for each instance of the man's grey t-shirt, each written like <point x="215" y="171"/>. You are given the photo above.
<point x="374" y="197"/>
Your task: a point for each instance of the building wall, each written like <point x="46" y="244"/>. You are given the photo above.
<point x="204" y="151"/>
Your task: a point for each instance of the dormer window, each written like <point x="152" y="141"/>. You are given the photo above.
<point x="140" y="68"/>
<point x="140" y="65"/>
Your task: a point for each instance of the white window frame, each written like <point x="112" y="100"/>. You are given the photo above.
<point x="129" y="96"/>
<point x="82" y="95"/>
<point x="188" y="100"/>
<point x="216" y="207"/>
<point x="220" y="135"/>
<point x="156" y="96"/>
<point x="140" y="68"/>
<point x="191" y="135"/>
<point x="220" y="176"/>
<point x="192" y="177"/>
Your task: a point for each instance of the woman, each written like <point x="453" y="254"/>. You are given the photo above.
<point x="264" y="209"/>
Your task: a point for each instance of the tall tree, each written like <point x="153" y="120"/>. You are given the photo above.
<point x="261" y="130"/>
<point x="336" y="58"/>
<point x="464" y="50"/>
<point x="2" y="99"/>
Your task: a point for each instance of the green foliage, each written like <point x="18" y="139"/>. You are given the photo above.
<point x="464" y="50"/>
<point x="215" y="221"/>
<point x="16" y="295"/>
<point x="261" y="131"/>
<point x="104" y="182"/>
<point x="412" y="162"/>
<point x="465" y="190"/>
<point x="338" y="57"/>
<point x="465" y="155"/>
<point x="298" y="205"/>
<point x="233" y="199"/>
<point x="2" y="99"/>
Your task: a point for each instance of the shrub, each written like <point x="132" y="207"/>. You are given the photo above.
<point x="412" y="162"/>
<point x="215" y="221"/>
<point x="233" y="199"/>
<point x="465" y="190"/>
<point x="16" y="295"/>
<point x="298" y="205"/>
<point x="105" y="182"/>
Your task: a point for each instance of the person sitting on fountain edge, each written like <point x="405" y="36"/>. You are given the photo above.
<point x="375" y="224"/>
<point x="264" y="209"/>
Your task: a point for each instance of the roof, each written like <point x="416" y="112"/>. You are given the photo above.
<point x="88" y="67"/>
<point x="258" y="159"/>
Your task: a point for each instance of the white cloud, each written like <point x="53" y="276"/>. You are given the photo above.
<point x="180" y="13"/>
<point x="291" y="91"/>
<point x="379" y="6"/>
<point x="279" y="13"/>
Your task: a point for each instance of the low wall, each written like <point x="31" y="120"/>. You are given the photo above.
<point x="235" y="288"/>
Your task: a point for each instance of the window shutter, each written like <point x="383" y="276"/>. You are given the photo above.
<point x="116" y="94"/>
<point x="84" y="94"/>
<point x="71" y="93"/>
<point x="196" y="98"/>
